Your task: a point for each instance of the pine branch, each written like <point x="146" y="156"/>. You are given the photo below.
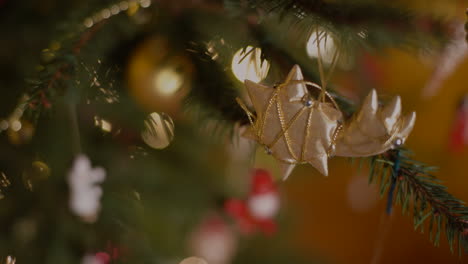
<point x="416" y="187"/>
<point x="411" y="185"/>
<point x="215" y="105"/>
<point x="354" y="23"/>
<point x="57" y="70"/>
<point x="406" y="181"/>
<point x="62" y="61"/>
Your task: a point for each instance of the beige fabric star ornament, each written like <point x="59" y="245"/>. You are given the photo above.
<point x="374" y="130"/>
<point x="293" y="127"/>
<point x="296" y="129"/>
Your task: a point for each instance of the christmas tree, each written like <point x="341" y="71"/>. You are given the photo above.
<point x="200" y="131"/>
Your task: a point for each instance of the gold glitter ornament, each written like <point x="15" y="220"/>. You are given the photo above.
<point x="158" y="77"/>
<point x="47" y="56"/>
<point x="37" y="172"/>
<point x="295" y="128"/>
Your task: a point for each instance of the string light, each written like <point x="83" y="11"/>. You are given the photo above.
<point x="145" y="3"/>
<point x="14" y="120"/>
<point x="113" y="10"/>
<point x="105" y="13"/>
<point x="4" y="125"/>
<point x="123" y="6"/>
<point x="16" y="125"/>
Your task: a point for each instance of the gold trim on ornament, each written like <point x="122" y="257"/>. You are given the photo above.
<point x="258" y="125"/>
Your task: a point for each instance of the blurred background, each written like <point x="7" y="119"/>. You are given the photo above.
<point x="334" y="219"/>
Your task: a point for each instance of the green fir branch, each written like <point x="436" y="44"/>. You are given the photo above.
<point x="367" y="24"/>
<point x="423" y="194"/>
<point x="416" y="190"/>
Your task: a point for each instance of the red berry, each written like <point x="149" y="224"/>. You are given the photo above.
<point x="103" y="257"/>
<point x="262" y="182"/>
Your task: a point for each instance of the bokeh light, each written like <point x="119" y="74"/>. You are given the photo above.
<point x="326" y="43"/>
<point x="158" y="132"/>
<point x="247" y="65"/>
<point x="103" y="124"/>
<point x="167" y="81"/>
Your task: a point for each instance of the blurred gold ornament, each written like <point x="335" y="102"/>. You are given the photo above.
<point x="159" y="130"/>
<point x="37" y="172"/>
<point x="132" y="8"/>
<point x="296" y="129"/>
<point x="47" y="56"/>
<point x="158" y="77"/>
<point x="193" y="260"/>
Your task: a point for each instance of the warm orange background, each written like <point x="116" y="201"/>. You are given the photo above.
<point x="325" y="221"/>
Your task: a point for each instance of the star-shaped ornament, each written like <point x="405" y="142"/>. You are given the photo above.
<point x="293" y="127"/>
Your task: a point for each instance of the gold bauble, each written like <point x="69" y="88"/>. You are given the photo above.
<point x="47" y="56"/>
<point x="159" y="131"/>
<point x="158" y="77"/>
<point x="36" y="173"/>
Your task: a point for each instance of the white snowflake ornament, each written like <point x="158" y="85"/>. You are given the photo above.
<point x="85" y="193"/>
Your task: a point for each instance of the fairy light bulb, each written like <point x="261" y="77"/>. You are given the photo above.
<point x="167" y="81"/>
<point x="16" y="125"/>
<point x="247" y="65"/>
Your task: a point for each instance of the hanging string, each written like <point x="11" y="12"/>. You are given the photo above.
<point x="319" y="59"/>
<point x="325" y="78"/>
